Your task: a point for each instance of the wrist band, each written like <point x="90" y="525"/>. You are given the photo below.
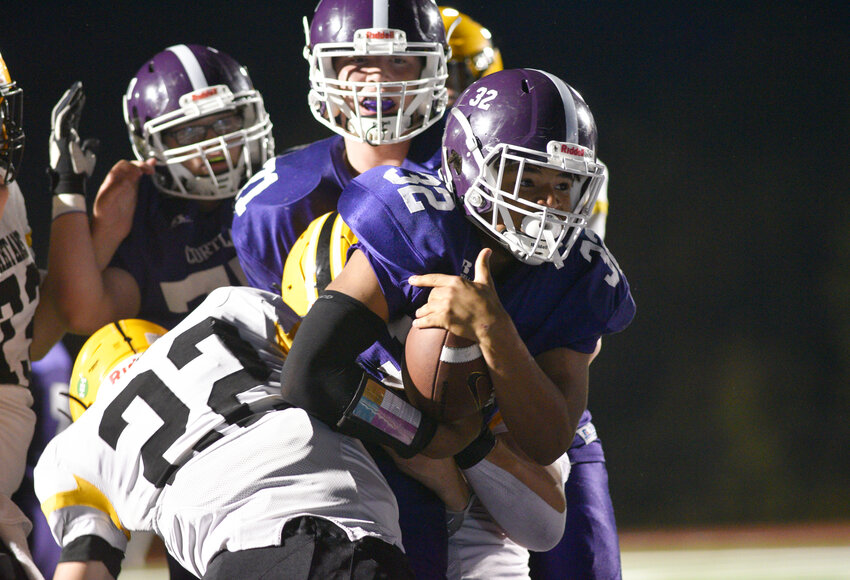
<point x="67" y="203"/>
<point x="480" y="447"/>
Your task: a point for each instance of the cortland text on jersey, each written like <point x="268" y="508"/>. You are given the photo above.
<point x="13" y="250"/>
<point x="199" y="254"/>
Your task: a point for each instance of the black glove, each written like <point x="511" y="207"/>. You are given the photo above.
<point x="70" y="161"/>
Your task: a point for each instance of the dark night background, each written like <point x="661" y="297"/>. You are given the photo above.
<point x="725" y="128"/>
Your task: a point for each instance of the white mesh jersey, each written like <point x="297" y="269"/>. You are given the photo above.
<point x="19" y="280"/>
<point x="195" y="444"/>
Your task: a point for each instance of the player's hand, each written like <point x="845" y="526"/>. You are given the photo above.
<point x="470" y="309"/>
<point x="115" y="203"/>
<point x="71" y="161"/>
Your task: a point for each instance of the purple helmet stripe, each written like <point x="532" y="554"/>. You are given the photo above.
<point x="569" y="104"/>
<point x="190" y="63"/>
<point x="380" y="14"/>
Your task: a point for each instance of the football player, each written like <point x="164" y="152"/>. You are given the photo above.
<point x="189" y="437"/>
<point x="590" y="547"/>
<point x="499" y="253"/>
<point x="377" y="78"/>
<point x="158" y="240"/>
<point x="377" y="74"/>
<point x="27" y="330"/>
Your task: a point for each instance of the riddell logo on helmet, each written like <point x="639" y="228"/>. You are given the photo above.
<point x="204" y="94"/>
<point x="573" y="150"/>
<point x="380" y="34"/>
<point x="119" y="372"/>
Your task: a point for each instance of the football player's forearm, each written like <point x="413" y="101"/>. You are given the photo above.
<point x="105" y="243"/>
<point x="527" y="397"/>
<point x="72" y="265"/>
<point x="48" y="325"/>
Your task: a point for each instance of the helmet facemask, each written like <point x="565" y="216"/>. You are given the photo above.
<point x="11" y="130"/>
<point x="253" y="140"/>
<point x="415" y="104"/>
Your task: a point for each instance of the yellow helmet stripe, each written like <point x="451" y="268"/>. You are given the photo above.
<point x="87" y="495"/>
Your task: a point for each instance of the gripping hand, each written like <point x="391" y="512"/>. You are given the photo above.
<point x="70" y="160"/>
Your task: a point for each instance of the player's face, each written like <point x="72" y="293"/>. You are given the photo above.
<point x="542" y="185"/>
<point x="385" y="68"/>
<point x="203" y="129"/>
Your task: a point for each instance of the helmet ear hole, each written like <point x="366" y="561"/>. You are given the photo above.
<point x="455" y="162"/>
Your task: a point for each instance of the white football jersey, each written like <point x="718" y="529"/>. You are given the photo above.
<point x="195" y="443"/>
<point x="19" y="281"/>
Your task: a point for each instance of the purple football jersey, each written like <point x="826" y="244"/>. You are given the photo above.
<point x="407" y="223"/>
<point x="178" y="253"/>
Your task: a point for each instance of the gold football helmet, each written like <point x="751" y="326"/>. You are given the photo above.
<point x="11" y="125"/>
<point x="317" y="257"/>
<point x="107" y="356"/>
<point x="473" y="53"/>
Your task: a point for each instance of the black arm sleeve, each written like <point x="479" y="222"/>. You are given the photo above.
<point x="321" y="376"/>
<point x="86" y="548"/>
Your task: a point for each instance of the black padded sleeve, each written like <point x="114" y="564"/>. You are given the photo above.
<point x="321" y="374"/>
<point x="86" y="548"/>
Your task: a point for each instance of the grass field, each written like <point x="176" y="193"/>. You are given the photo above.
<point x="802" y="552"/>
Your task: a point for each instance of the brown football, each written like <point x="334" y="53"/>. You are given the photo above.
<point x="445" y="376"/>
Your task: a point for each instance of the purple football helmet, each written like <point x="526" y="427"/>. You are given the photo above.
<point x="180" y="85"/>
<point x="509" y="122"/>
<point x="345" y="28"/>
<point x="11" y="125"/>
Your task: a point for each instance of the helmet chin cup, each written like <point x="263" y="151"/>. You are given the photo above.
<point x="521" y="248"/>
<point x="375" y="132"/>
<point x="531" y="225"/>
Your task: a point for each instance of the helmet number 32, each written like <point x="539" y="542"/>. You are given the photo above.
<point x="483" y="97"/>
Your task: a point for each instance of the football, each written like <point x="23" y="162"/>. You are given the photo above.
<point x="445" y="376"/>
